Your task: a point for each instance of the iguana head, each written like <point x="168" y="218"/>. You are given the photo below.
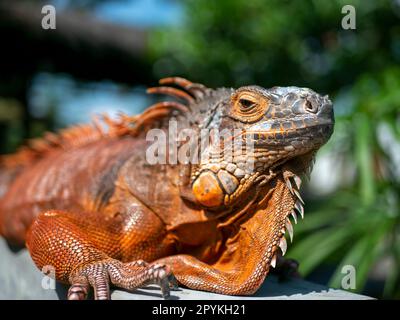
<point x="258" y="132"/>
<point x="250" y="175"/>
<point x="268" y="127"/>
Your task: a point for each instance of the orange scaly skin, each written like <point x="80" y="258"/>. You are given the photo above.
<point x="88" y="203"/>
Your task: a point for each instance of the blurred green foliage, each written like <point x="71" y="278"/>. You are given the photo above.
<point x="302" y="43"/>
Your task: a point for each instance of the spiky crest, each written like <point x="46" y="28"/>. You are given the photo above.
<point x="105" y="127"/>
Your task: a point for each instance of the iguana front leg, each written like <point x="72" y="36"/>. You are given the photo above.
<point x="101" y="274"/>
<point x="87" y="250"/>
<point x="248" y="256"/>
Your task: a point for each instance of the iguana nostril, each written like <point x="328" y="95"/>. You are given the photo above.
<point x="311" y="106"/>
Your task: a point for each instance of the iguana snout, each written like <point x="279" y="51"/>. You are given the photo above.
<point x="298" y="120"/>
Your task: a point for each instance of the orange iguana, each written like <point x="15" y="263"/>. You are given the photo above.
<point x="87" y="201"/>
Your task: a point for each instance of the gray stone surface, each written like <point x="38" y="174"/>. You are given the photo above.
<point x="20" y="279"/>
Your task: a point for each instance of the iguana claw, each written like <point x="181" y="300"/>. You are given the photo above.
<point x="286" y="268"/>
<point x="101" y="274"/>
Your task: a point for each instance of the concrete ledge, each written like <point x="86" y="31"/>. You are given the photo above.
<point x="20" y="279"/>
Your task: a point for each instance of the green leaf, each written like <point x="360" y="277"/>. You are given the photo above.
<point x="362" y="256"/>
<point x="364" y="159"/>
<point x="316" y="247"/>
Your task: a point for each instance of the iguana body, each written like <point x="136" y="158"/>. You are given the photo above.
<point x="88" y="203"/>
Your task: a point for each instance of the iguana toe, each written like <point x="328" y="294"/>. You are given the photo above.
<point x="101" y="275"/>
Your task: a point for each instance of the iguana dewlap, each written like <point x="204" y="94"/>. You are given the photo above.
<point x="88" y="203"/>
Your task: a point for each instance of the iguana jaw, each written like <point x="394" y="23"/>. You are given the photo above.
<point x="222" y="184"/>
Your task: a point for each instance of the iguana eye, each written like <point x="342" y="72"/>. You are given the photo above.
<point x="248" y="106"/>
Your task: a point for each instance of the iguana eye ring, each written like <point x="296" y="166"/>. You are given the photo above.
<point x="248" y="106"/>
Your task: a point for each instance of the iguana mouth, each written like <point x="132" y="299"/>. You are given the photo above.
<point x="260" y="135"/>
<point x="296" y="140"/>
